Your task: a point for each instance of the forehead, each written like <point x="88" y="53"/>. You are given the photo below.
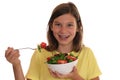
<point x="65" y="17"/>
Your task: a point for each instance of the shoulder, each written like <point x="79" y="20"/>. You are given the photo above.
<point x="42" y="50"/>
<point x="86" y="49"/>
<point x="42" y="53"/>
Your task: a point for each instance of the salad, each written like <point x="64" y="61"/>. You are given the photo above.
<point x="60" y="58"/>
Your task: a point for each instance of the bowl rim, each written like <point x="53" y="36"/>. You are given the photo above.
<point x="64" y="63"/>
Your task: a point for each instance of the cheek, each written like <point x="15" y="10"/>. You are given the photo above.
<point x="55" y="30"/>
<point x="73" y="32"/>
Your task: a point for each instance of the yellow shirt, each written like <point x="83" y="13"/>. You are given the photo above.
<point x="86" y="66"/>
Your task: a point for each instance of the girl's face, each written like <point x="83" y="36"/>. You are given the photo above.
<point x="64" y="29"/>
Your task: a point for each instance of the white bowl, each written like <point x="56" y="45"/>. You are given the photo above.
<point x="63" y="68"/>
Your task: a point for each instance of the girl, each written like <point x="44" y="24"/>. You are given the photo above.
<point x="65" y="33"/>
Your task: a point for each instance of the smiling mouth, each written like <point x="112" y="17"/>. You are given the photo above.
<point x="64" y="37"/>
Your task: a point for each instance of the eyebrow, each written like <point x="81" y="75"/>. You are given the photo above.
<point x="60" y="22"/>
<point x="56" y="22"/>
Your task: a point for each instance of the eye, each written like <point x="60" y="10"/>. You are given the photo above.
<point x="57" y="24"/>
<point x="70" y="25"/>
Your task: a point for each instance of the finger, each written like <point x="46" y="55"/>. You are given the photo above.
<point x="14" y="54"/>
<point x="8" y="51"/>
<point x="10" y="57"/>
<point x="52" y="73"/>
<point x="74" y="69"/>
<point x="60" y="75"/>
<point x="11" y="52"/>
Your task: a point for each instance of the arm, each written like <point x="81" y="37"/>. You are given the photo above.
<point x="12" y="56"/>
<point x="18" y="73"/>
<point x="75" y="75"/>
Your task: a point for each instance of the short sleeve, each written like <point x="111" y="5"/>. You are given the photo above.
<point x="34" y="68"/>
<point x="93" y="68"/>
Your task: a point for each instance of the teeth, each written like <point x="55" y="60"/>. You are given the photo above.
<point x="63" y="36"/>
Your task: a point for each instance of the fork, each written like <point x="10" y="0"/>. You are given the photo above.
<point x="26" y="48"/>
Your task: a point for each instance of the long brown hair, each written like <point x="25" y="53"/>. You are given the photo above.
<point x="62" y="9"/>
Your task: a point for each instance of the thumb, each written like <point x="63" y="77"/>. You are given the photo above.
<point x="74" y="69"/>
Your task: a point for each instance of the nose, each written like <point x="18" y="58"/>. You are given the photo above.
<point x="63" y="29"/>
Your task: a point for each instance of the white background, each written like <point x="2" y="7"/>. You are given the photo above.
<point x="23" y="23"/>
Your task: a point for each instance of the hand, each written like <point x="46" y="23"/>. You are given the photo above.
<point x="12" y="55"/>
<point x="72" y="75"/>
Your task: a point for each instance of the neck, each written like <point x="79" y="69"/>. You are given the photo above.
<point x="65" y="48"/>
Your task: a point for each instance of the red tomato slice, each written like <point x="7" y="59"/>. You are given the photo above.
<point x="71" y="57"/>
<point x="48" y="58"/>
<point x="43" y="45"/>
<point x="62" y="61"/>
